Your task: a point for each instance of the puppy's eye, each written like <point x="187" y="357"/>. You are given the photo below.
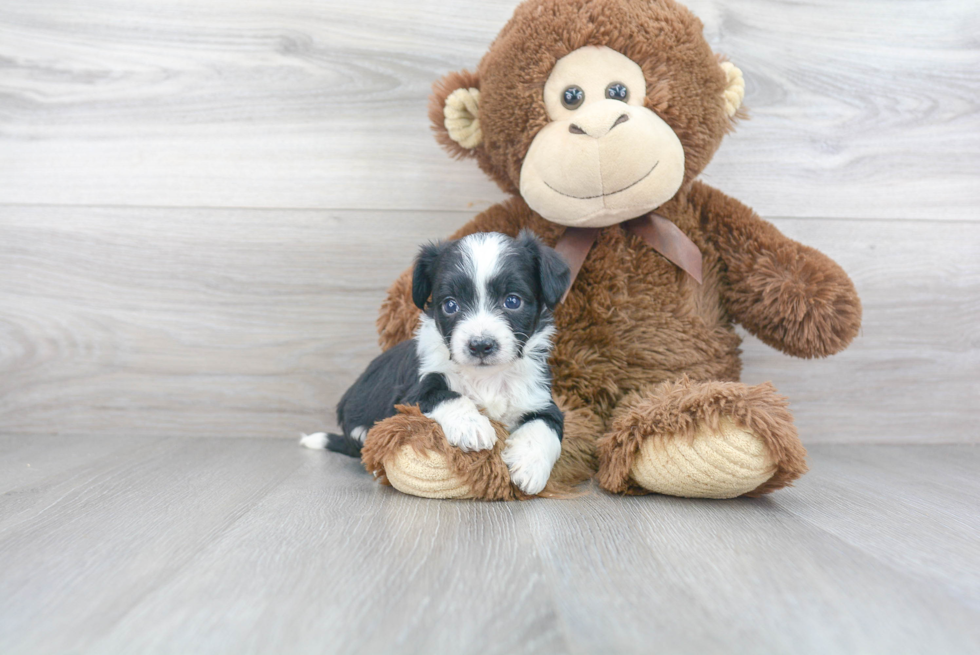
<point x="572" y="97"/>
<point x="450" y="306"/>
<point x="617" y="91"/>
<point x="512" y="302"/>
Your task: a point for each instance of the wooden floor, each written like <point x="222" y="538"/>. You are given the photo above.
<point x="116" y="545"/>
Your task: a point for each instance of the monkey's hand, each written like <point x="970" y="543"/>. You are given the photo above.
<point x="792" y="297"/>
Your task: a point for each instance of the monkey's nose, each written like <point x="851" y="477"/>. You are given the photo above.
<point x="597" y="132"/>
<point x="619" y="121"/>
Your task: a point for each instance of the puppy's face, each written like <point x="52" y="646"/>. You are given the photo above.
<point x="489" y="293"/>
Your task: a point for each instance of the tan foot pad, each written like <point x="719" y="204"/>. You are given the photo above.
<point x="409" y="452"/>
<point x="424" y="474"/>
<point x="722" y="463"/>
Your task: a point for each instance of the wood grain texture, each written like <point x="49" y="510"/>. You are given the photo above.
<point x="235" y="323"/>
<point x="133" y="521"/>
<point x="253" y="322"/>
<point x="256" y="546"/>
<point x="859" y="109"/>
<point x="23" y="460"/>
<point x="929" y="529"/>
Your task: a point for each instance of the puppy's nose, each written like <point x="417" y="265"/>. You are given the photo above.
<point x="482" y="347"/>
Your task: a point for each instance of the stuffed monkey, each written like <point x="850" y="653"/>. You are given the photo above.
<point x="597" y="116"/>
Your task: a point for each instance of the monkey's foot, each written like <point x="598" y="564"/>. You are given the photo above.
<point x="426" y="474"/>
<point x="409" y="452"/>
<point x="701" y="440"/>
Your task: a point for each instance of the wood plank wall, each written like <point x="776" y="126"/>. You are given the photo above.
<point x="201" y="204"/>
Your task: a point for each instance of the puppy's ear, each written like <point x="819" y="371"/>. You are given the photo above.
<point x="554" y="274"/>
<point x="423" y="277"/>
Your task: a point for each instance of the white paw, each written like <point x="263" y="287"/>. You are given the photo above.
<point x="316" y="441"/>
<point x="463" y="424"/>
<point x="530" y="454"/>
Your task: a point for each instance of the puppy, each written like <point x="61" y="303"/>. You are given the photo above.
<point x="483" y="343"/>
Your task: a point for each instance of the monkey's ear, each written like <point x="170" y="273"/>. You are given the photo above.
<point x="734" y="89"/>
<point x="423" y="277"/>
<point x="454" y="109"/>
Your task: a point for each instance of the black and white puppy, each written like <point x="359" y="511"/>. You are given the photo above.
<point x="483" y="343"/>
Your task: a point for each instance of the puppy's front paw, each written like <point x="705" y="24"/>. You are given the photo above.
<point x="463" y="424"/>
<point x="530" y="454"/>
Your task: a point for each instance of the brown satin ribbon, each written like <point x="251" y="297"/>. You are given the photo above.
<point x="661" y="234"/>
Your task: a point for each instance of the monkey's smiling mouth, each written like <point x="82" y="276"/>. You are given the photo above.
<point x="601" y="195"/>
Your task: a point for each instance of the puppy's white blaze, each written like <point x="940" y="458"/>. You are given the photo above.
<point x="463" y="424"/>
<point x="481" y="260"/>
<point x="484" y="324"/>
<point x="315" y="441"/>
<point x="530" y="454"/>
<point x="359" y="433"/>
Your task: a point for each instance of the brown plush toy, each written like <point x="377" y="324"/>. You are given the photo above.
<point x="598" y="115"/>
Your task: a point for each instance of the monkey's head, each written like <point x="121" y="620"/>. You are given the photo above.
<point x="594" y="111"/>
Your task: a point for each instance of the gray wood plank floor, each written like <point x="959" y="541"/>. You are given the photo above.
<point x="117" y="545"/>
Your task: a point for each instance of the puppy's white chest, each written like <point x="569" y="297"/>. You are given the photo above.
<point x="499" y="410"/>
<point x="503" y="398"/>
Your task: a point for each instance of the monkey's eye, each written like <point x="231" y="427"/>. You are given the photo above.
<point x="512" y="302"/>
<point x="450" y="306"/>
<point x="617" y="91"/>
<point x="572" y="97"/>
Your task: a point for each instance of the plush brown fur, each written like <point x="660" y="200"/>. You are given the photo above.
<point x="677" y="409"/>
<point x="578" y="448"/>
<point x="637" y="339"/>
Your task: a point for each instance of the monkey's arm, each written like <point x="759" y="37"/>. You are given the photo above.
<point x="399" y="316"/>
<point x="792" y="297"/>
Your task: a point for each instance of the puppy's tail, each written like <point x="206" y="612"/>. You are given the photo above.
<point x="338" y="443"/>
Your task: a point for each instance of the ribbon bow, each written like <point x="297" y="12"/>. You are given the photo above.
<point x="661" y="234"/>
